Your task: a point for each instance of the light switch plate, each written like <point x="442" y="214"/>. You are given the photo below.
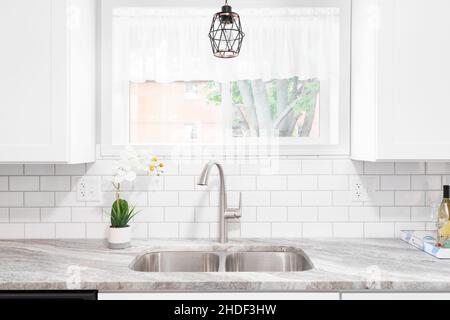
<point x="362" y="188"/>
<point x="89" y="189"/>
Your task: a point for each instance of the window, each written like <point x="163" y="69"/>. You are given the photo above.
<point x="288" y="88"/>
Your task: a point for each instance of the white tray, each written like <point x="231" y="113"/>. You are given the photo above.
<point x="425" y="241"/>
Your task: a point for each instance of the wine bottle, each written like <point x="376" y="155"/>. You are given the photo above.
<point x="443" y="217"/>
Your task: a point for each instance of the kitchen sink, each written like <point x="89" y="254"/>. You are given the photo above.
<point x="171" y="261"/>
<point x="230" y="260"/>
<point x="267" y="262"/>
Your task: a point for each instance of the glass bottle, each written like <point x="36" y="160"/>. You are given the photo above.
<point x="443" y="217"/>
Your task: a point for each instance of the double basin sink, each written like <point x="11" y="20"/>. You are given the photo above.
<point x="285" y="260"/>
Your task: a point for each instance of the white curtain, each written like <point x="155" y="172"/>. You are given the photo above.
<point x="172" y="44"/>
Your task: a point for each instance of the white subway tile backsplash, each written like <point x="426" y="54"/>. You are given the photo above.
<point x="379" y="230"/>
<point x="282" y="198"/>
<point x="179" y="214"/>
<point x="332" y="214"/>
<point x="272" y="214"/>
<point x="409" y="198"/>
<point x="379" y="168"/>
<point x="433" y="198"/>
<point x="317" y="230"/>
<point x="303" y="214"/>
<point x="426" y="183"/>
<point x="70" y="230"/>
<point x="362" y="214"/>
<point x="39" y="199"/>
<point x="11" y="199"/>
<point x="286" y="167"/>
<point x="12" y="230"/>
<point x="56" y="214"/>
<point x="139" y="231"/>
<point x="271" y="183"/>
<point x="317" y="167"/>
<point x="410" y="168"/>
<point x="382" y="199"/>
<point x="24" y="215"/>
<point x="248" y="214"/>
<point x="148" y="183"/>
<point x="438" y="168"/>
<point x="402" y="226"/>
<point x="87" y="214"/>
<point x="333" y="183"/>
<point x="162" y="199"/>
<point x="348" y="230"/>
<point x="4" y="215"/>
<point x="148" y="214"/>
<point x="11" y="169"/>
<point x="70" y="169"/>
<point x="206" y="214"/>
<point x="302" y="182"/>
<point x="344" y="199"/>
<point x="316" y="198"/>
<point x="395" y="214"/>
<point x="101" y="168"/>
<point x="286" y="198"/>
<point x="286" y="230"/>
<point x="24" y="183"/>
<point x="240" y="183"/>
<point x="39" y="231"/>
<point x="67" y="199"/>
<point x="234" y="230"/>
<point x="395" y="183"/>
<point x="55" y="183"/>
<point x="348" y="167"/>
<point x="424" y="214"/>
<point x="97" y="230"/>
<point x="39" y="169"/>
<point x="163" y="230"/>
<point x="256" y="198"/>
<point x="179" y="183"/>
<point x="138" y="199"/>
<point x="255" y="230"/>
<point x="194" y="230"/>
<point x="194" y="199"/>
<point x="4" y="183"/>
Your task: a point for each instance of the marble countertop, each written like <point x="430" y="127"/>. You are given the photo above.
<point x="339" y="265"/>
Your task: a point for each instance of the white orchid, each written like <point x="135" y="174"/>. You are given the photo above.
<point x="131" y="162"/>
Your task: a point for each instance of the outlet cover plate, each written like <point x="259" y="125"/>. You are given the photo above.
<point x="362" y="188"/>
<point x="89" y="189"/>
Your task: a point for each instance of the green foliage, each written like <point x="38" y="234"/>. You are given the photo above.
<point x="307" y="100"/>
<point x="272" y="97"/>
<point x="214" y="93"/>
<point x="121" y="214"/>
<point x="236" y="93"/>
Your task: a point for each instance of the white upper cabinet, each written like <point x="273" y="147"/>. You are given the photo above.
<point x="401" y="80"/>
<point x="47" y="80"/>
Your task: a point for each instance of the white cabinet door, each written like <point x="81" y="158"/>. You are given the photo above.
<point x="47" y="80"/>
<point x="401" y="80"/>
<point x="219" y="296"/>
<point x="32" y="114"/>
<point x="396" y="296"/>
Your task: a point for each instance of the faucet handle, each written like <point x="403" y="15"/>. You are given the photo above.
<point x="235" y="213"/>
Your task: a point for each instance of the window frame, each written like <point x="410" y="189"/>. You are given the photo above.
<point x="273" y="147"/>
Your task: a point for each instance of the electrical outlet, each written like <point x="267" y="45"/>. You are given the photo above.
<point x="88" y="189"/>
<point x="363" y="188"/>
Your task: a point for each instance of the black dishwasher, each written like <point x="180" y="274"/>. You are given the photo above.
<point x="65" y="295"/>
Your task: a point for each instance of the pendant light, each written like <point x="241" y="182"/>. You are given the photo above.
<point x="226" y="33"/>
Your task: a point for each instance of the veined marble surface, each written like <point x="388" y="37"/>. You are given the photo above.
<point x="339" y="265"/>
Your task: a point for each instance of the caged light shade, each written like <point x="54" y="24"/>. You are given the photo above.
<point x="226" y="33"/>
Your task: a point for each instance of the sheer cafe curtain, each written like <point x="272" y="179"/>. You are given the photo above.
<point x="172" y="44"/>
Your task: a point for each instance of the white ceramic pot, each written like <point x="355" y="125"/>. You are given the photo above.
<point x="119" y="238"/>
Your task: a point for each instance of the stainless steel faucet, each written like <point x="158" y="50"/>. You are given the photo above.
<point x="225" y="213"/>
